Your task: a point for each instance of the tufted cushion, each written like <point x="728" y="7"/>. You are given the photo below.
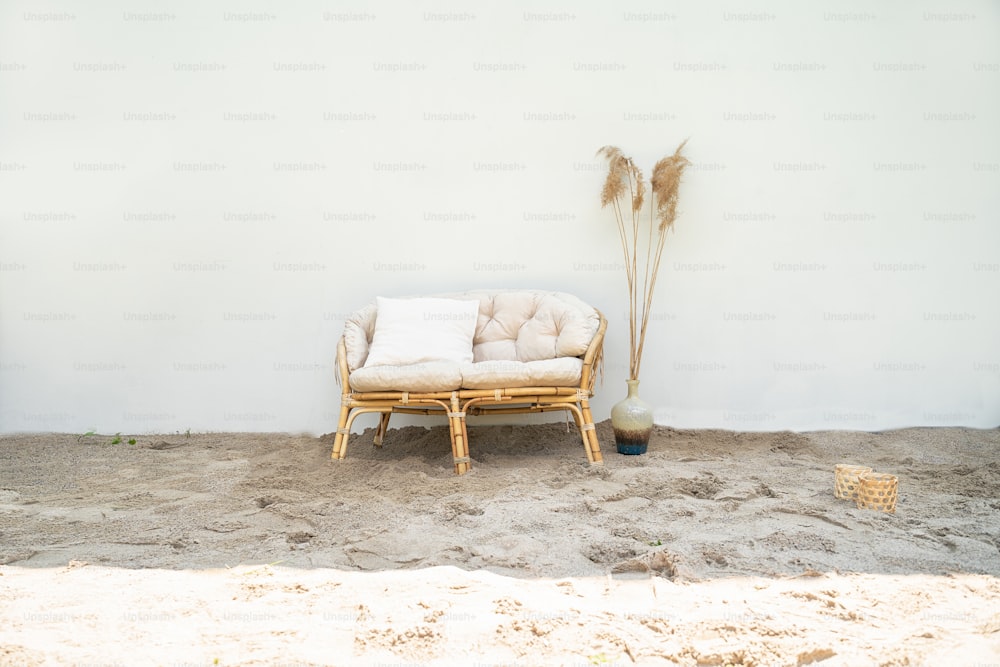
<point x="528" y="325"/>
<point x="524" y="326"/>
<point x="359" y="330"/>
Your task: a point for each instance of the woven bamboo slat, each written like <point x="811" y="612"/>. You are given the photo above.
<point x="455" y="405"/>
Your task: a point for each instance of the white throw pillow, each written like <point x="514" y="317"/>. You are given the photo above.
<point x="414" y="331"/>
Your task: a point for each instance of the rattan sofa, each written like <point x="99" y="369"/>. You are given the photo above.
<point x="531" y="351"/>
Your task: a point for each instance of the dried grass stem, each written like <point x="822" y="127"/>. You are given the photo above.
<point x="625" y="178"/>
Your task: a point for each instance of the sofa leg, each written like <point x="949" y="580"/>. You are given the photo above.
<point x="340" y="439"/>
<point x="589" y="433"/>
<point x="383" y="427"/>
<point x="459" y="438"/>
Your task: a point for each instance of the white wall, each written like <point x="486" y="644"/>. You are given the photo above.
<point x="193" y="195"/>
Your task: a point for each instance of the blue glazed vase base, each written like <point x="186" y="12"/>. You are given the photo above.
<point x="631" y="450"/>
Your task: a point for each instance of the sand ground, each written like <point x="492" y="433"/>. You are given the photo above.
<point x="714" y="548"/>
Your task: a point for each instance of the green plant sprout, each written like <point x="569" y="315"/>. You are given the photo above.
<point x="116" y="440"/>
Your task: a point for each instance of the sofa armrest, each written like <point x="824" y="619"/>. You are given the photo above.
<point x="343" y="372"/>
<point x="593" y="359"/>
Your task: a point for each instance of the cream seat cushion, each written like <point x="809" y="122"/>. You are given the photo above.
<point x="563" y="372"/>
<point x="446" y="376"/>
<point x="426" y="377"/>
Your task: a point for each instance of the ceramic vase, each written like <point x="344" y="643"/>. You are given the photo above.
<point x="632" y="421"/>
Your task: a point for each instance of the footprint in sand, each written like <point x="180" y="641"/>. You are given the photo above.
<point x="458" y="508"/>
<point x="705" y="486"/>
<point x="661" y="563"/>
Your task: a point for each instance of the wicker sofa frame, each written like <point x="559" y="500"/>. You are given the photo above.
<point x="457" y="404"/>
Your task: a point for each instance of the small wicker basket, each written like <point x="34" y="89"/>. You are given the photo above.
<point x="846" y="482"/>
<point x="878" y="491"/>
